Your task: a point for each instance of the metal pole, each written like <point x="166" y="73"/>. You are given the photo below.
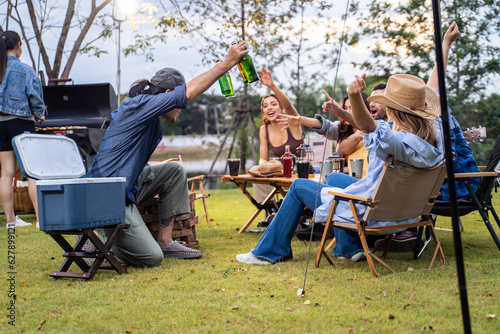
<point x="449" y="164"/>
<point x="119" y="70"/>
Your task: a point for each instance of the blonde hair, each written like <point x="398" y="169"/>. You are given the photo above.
<point x="421" y="127"/>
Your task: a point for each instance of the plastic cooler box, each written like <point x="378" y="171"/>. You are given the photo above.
<point x="65" y="200"/>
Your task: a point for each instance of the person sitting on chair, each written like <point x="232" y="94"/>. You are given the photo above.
<point x="464" y="161"/>
<point x="133" y="135"/>
<point x="412" y="107"/>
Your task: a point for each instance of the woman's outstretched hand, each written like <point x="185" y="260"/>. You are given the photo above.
<point x="265" y="77"/>
<point x="287" y="121"/>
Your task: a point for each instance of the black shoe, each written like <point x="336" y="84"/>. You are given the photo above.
<point x="317" y="233"/>
<point x="265" y="223"/>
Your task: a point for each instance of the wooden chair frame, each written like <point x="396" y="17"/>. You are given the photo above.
<point x="417" y="188"/>
<point x="198" y="179"/>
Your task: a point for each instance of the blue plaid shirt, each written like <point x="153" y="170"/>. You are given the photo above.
<point x="133" y="135"/>
<point x="464" y="159"/>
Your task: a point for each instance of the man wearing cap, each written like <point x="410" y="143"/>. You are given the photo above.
<point x="133" y="135"/>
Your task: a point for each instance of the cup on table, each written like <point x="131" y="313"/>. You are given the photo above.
<point x="356" y="167"/>
<point x="234" y="166"/>
<point x="303" y="168"/>
<point x="326" y="168"/>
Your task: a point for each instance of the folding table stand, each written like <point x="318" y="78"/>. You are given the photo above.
<point x="71" y="205"/>
<point x="76" y="253"/>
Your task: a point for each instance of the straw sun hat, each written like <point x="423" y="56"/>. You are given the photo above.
<point x="409" y="94"/>
<point x="267" y="169"/>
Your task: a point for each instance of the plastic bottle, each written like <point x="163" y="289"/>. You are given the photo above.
<point x="226" y="86"/>
<point x="247" y="68"/>
<point x="287" y="162"/>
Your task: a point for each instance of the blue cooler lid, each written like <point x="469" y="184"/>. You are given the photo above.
<point x="48" y="156"/>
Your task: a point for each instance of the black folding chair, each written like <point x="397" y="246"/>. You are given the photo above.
<point x="481" y="198"/>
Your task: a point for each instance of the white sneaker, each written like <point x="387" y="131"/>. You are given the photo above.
<point x="37" y="225"/>
<point x="249" y="258"/>
<point x="18" y="223"/>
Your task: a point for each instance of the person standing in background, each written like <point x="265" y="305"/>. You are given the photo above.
<point x="21" y="103"/>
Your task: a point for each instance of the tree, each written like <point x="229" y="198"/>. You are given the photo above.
<point x="404" y="43"/>
<point x="49" y="18"/>
<point x="264" y="24"/>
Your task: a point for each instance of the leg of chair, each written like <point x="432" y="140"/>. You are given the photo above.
<point x="484" y="215"/>
<point x="438" y="250"/>
<point x="206" y="212"/>
<point x="328" y="226"/>
<point x="494" y="213"/>
<point x="321" y="250"/>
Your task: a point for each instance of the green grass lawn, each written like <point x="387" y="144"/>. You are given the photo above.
<point x="217" y="294"/>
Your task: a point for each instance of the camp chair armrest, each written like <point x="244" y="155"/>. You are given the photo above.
<point x="196" y="178"/>
<point x="478" y="174"/>
<point x="347" y="197"/>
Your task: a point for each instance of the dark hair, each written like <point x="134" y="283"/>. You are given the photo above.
<point x="8" y="41"/>
<point x="379" y="86"/>
<point x="143" y="86"/>
<point x="345" y="130"/>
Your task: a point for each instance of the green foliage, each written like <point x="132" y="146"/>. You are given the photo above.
<point x="404" y="35"/>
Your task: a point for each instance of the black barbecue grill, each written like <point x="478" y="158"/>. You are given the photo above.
<point x="81" y="112"/>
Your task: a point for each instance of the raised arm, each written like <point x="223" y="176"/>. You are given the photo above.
<point x="289" y="121"/>
<point x="450" y="36"/>
<point x="332" y="107"/>
<point x="204" y="81"/>
<point x="267" y="80"/>
<point x="362" y="117"/>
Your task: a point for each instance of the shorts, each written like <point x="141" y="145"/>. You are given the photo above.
<point x="11" y="128"/>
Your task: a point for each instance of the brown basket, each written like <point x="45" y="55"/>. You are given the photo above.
<point x="22" y="200"/>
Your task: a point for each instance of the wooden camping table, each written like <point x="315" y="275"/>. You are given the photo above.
<point x="279" y="184"/>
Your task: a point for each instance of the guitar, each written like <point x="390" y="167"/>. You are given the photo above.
<point x="474" y="134"/>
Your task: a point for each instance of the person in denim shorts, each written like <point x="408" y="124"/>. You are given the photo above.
<point x="21" y="103"/>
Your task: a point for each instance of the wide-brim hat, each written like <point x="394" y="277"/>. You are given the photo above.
<point x="409" y="94"/>
<point x="267" y="169"/>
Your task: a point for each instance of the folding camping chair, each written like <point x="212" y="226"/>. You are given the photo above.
<point x="193" y="181"/>
<point x="481" y="199"/>
<point x="402" y="192"/>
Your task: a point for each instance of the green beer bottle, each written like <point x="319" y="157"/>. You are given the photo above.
<point x="226" y="86"/>
<point x="247" y="69"/>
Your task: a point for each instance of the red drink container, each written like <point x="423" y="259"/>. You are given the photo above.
<point x="287" y="166"/>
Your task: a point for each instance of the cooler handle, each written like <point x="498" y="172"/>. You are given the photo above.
<point x="52" y="188"/>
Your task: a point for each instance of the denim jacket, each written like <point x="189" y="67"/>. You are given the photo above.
<point x="21" y="90"/>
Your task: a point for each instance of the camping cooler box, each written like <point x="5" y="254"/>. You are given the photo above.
<point x="65" y="200"/>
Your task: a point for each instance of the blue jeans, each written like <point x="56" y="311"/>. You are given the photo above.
<point x="275" y="243"/>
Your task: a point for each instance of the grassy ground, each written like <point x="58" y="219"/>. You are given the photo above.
<point x="218" y="294"/>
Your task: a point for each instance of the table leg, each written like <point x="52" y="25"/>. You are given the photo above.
<point x="259" y="209"/>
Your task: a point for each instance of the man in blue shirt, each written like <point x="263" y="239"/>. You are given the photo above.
<point x="133" y="135"/>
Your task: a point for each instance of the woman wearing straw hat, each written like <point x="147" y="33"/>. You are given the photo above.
<point x="411" y="107"/>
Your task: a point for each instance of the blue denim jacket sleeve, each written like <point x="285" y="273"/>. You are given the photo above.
<point x="35" y="96"/>
<point x="329" y="129"/>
